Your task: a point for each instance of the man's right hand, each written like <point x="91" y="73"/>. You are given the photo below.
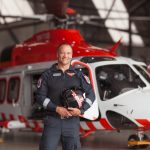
<point x="63" y="112"/>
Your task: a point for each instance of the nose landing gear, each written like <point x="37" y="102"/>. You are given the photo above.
<point x="139" y="140"/>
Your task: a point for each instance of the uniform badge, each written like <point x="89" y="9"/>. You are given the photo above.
<point x="56" y="74"/>
<point x="87" y="79"/>
<point x="39" y="83"/>
<point x="70" y="74"/>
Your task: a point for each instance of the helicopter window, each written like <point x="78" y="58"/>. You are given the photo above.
<point x="2" y="90"/>
<point x="114" y="80"/>
<point x="143" y="72"/>
<point x="13" y="89"/>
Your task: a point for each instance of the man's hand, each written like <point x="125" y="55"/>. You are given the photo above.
<point x="63" y="112"/>
<point x="74" y="111"/>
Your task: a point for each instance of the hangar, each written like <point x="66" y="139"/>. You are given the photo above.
<point x="102" y="23"/>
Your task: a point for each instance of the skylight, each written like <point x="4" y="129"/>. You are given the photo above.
<point x="103" y="7"/>
<point x="14" y="8"/>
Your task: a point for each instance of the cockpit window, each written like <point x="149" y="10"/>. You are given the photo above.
<point x="114" y="80"/>
<point x="144" y="72"/>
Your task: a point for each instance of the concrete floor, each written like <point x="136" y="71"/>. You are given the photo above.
<point x="101" y="140"/>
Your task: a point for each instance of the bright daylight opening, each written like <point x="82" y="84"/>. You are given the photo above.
<point x="120" y="21"/>
<point x="14" y="8"/>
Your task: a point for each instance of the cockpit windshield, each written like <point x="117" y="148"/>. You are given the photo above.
<point x="113" y="80"/>
<point x="143" y="72"/>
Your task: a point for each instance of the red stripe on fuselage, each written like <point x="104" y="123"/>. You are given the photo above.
<point x="144" y="122"/>
<point x="90" y="125"/>
<point x="105" y="124"/>
<point x="3" y="117"/>
<point x="11" y="117"/>
<point x="81" y="129"/>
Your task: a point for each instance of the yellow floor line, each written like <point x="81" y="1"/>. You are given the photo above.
<point x="138" y="142"/>
<point x="1" y="140"/>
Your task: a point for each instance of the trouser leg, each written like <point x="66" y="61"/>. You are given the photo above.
<point x="51" y="134"/>
<point x="70" y="143"/>
<point x="70" y="134"/>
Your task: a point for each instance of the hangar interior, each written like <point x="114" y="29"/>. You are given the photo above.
<point x="101" y="22"/>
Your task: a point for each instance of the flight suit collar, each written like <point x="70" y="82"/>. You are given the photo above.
<point x="54" y="68"/>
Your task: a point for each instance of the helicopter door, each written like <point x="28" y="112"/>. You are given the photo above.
<point x="118" y="87"/>
<point x="26" y="105"/>
<point x="31" y="109"/>
<point x="92" y="113"/>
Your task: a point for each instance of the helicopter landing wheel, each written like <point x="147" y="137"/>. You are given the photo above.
<point x="136" y="141"/>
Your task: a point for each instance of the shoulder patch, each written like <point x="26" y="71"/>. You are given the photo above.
<point x="39" y="83"/>
<point x="87" y="79"/>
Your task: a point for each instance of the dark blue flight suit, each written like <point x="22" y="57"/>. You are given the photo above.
<point x="49" y="89"/>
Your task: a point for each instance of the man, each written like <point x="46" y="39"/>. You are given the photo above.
<point x="62" y="123"/>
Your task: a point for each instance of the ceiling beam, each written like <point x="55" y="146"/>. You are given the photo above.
<point x="15" y="26"/>
<point x="110" y="10"/>
<point x="137" y="6"/>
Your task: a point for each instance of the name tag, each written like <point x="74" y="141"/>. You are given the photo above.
<point x="56" y="74"/>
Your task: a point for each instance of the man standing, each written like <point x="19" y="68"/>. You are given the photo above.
<point x="61" y="123"/>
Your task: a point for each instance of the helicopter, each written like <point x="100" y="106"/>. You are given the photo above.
<point x="121" y="85"/>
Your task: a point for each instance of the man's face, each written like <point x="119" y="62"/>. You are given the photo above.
<point x="65" y="54"/>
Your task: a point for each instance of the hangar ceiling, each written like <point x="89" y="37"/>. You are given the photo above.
<point x="90" y="18"/>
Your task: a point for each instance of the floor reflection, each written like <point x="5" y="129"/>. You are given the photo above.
<point x="101" y="140"/>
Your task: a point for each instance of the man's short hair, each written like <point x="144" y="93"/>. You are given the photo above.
<point x="61" y="45"/>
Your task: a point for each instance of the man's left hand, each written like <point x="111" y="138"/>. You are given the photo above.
<point x="74" y="111"/>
